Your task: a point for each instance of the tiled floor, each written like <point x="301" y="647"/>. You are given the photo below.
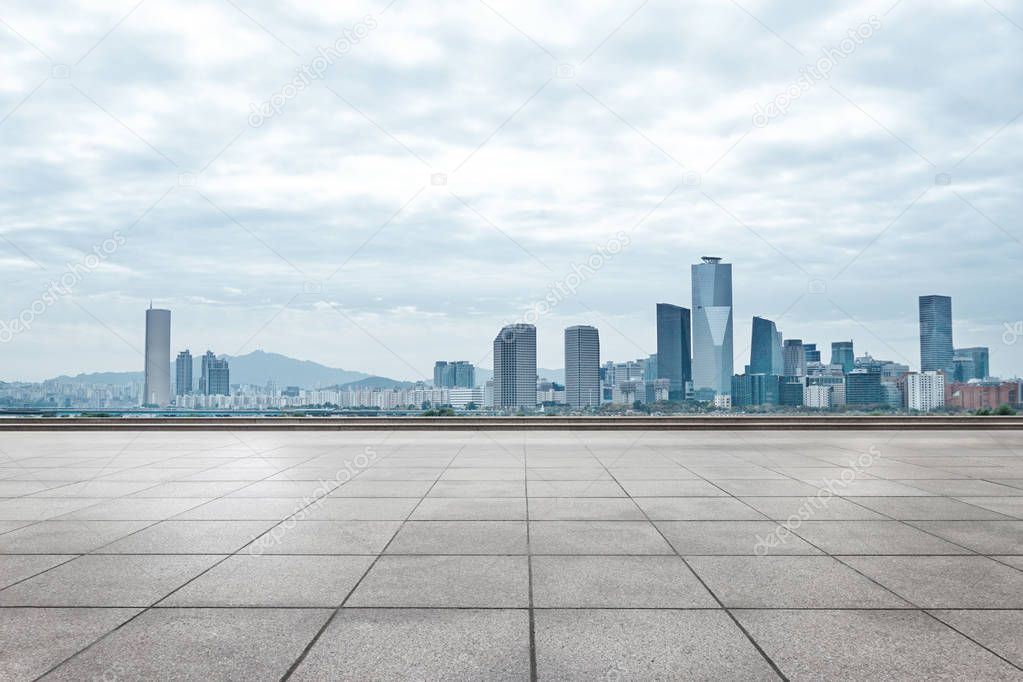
<point x="511" y="555"/>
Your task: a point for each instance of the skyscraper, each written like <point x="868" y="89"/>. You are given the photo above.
<point x="765" y="351"/>
<point x="981" y="363"/>
<point x="811" y="353"/>
<point x="582" y="367"/>
<point x="158" y="379"/>
<point x="712" y="325"/>
<point x="842" y="354"/>
<point x="673" y="355"/>
<point x="936" y="351"/>
<point x="515" y="367"/>
<point x="795" y="358"/>
<point x="183" y="372"/>
<point x="216" y="375"/>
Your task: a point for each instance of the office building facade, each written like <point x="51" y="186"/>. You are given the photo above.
<point x="454" y="374"/>
<point x="582" y="367"/>
<point x="712" y="325"/>
<point x="674" y="358"/>
<point x="183" y="373"/>
<point x="980" y="358"/>
<point x="515" y="367"/>
<point x="765" y="355"/>
<point x="794" y="354"/>
<point x="936" y="351"/>
<point x="842" y="354"/>
<point x="157" y="387"/>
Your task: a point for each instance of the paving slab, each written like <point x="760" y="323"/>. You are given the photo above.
<point x="428" y="644"/>
<point x="870" y="645"/>
<point x="445" y="581"/>
<point x="460" y="537"/>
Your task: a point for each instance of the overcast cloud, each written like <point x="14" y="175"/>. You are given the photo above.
<point x="320" y="229"/>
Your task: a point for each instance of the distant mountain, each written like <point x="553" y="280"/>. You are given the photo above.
<point x="257" y="367"/>
<point x="375" y="382"/>
<point x="483" y="375"/>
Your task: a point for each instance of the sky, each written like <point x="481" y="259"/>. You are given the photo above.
<point x="379" y="185"/>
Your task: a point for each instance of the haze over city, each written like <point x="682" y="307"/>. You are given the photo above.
<point x="395" y="207"/>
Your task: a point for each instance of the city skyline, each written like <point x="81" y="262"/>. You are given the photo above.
<point x="154" y="184"/>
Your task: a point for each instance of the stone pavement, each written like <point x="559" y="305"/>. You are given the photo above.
<point x="600" y="555"/>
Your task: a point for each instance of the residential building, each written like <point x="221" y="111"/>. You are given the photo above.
<point x="925" y="391"/>
<point x="712" y="326"/>
<point x="456" y="373"/>
<point x="216" y="375"/>
<point x="936" y="352"/>
<point x="674" y="358"/>
<point x="582" y="367"/>
<point x="817" y="396"/>
<point x="515" y="367"/>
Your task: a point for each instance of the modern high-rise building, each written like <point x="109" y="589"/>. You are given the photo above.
<point x="754" y="389"/>
<point x="712" y="325"/>
<point x="811" y="353"/>
<point x="795" y="358"/>
<point x="582" y="367"/>
<point x="216" y="375"/>
<point x="157" y="390"/>
<point x="674" y="361"/>
<point x="863" y="387"/>
<point x="183" y="373"/>
<point x="842" y="354"/>
<point x="515" y="367"/>
<point x="925" y="391"/>
<point x="936" y="352"/>
<point x="765" y="355"/>
<point x="454" y="374"/>
<point x="981" y="361"/>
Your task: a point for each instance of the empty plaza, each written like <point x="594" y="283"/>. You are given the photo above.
<point x="503" y="554"/>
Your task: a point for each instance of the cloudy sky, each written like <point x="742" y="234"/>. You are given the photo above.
<point x="375" y="186"/>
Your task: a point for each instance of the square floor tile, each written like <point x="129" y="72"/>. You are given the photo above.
<point x="926" y="508"/>
<point x="997" y="630"/>
<point x="732" y="537"/>
<point x="325" y="537"/>
<point x="869" y="645"/>
<point x="697" y="509"/>
<point x="582" y="644"/>
<point x="823" y="508"/>
<point x="816" y="582"/>
<point x="114" y="580"/>
<point x="265" y="581"/>
<point x="596" y="537"/>
<point x="189" y="537"/>
<point x="359" y="488"/>
<point x="478" y="489"/>
<point x="437" y="644"/>
<point x="446" y="581"/>
<point x="361" y="508"/>
<point x="460" y="537"/>
<point x="872" y="537"/>
<point x="17" y="567"/>
<point x="939" y="582"/>
<point x="670" y="488"/>
<point x="36" y="640"/>
<point x="535" y="488"/>
<point x="617" y="582"/>
<point x="985" y="537"/>
<point x="244" y="509"/>
<point x="583" y="508"/>
<point x="470" y="509"/>
<point x="1009" y="506"/>
<point x="66" y="537"/>
<point x="198" y="645"/>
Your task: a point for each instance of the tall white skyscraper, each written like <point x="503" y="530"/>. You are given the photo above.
<point x="582" y="367"/>
<point x="157" y="389"/>
<point x="712" y="325"/>
<point x="515" y="367"/>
